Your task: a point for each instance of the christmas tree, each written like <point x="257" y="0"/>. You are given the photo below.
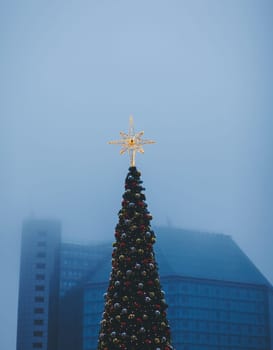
<point x="135" y="308"/>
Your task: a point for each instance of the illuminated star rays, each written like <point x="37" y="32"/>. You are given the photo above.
<point x="132" y="142"/>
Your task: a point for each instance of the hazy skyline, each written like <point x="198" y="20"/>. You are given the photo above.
<point x="196" y="76"/>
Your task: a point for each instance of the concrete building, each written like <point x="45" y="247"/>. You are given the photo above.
<point x="39" y="285"/>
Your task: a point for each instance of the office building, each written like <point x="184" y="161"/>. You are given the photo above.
<point x="39" y="285"/>
<point x="218" y="300"/>
<point x="77" y="263"/>
<point x="52" y="279"/>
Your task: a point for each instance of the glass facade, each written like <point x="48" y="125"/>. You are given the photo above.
<point x="213" y="315"/>
<point x="92" y="313"/>
<point x="78" y="262"/>
<point x="203" y="314"/>
<point x="217" y="298"/>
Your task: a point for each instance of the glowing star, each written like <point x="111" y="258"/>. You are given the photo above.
<point x="132" y="142"/>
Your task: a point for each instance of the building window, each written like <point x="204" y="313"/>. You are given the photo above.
<point x="39" y="288"/>
<point x="39" y="299"/>
<point x="39" y="310"/>
<point x="40" y="277"/>
<point x="37" y="333"/>
<point x="41" y="244"/>
<point x="37" y="345"/>
<point x="38" y="322"/>
<point x="40" y="266"/>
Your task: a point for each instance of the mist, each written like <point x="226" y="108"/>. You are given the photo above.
<point x="196" y="76"/>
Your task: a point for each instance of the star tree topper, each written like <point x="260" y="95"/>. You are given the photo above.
<point x="131" y="142"/>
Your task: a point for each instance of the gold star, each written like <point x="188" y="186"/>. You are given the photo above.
<point x="131" y="142"/>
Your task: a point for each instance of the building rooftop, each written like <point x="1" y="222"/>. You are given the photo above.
<point x="188" y="253"/>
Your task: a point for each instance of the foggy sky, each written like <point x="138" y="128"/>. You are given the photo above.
<point x="197" y="77"/>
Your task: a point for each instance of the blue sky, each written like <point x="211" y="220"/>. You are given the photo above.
<point x="196" y="75"/>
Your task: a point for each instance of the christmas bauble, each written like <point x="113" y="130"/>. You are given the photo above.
<point x="116" y="305"/>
